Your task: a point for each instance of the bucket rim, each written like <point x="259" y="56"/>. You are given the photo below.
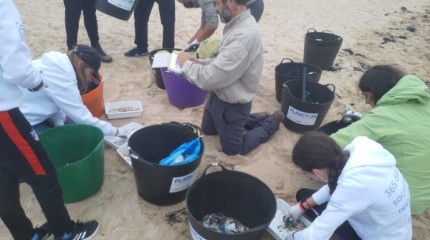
<point x="317" y="69"/>
<point x="226" y="171"/>
<point x="95" y="149"/>
<point x="285" y="85"/>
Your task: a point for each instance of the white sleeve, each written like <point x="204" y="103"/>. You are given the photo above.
<point x="15" y="55"/>
<point x="69" y="100"/>
<point x="322" y="195"/>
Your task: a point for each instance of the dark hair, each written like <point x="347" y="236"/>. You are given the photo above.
<point x="316" y="150"/>
<point x="238" y="2"/>
<point x="379" y="80"/>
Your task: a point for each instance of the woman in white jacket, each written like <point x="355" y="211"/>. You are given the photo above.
<point x="364" y="191"/>
<point x="65" y="77"/>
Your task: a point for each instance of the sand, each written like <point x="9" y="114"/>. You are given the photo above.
<point x="373" y="32"/>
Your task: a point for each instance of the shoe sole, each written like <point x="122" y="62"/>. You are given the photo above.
<point x="136" y="55"/>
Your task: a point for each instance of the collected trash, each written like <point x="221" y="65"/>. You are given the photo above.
<point x="350" y="116"/>
<point x="220" y="223"/>
<point x="184" y="154"/>
<point x="176" y="216"/>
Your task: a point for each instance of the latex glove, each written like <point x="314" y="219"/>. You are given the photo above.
<point x="351" y="116"/>
<point x="295" y="212"/>
<point x="192" y="47"/>
<point x="121" y="133"/>
<point x="290" y="236"/>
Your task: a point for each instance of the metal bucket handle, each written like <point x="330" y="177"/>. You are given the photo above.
<point x="282" y="61"/>
<point x="214" y="164"/>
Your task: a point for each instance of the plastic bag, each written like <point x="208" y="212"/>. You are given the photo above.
<point x="185" y="153"/>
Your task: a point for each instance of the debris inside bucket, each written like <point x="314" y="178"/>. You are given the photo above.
<point x="223" y="224"/>
<point x="308" y="99"/>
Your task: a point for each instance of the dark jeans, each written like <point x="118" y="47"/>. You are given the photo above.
<point x="257" y="9"/>
<point x="23" y="157"/>
<point x="229" y="120"/>
<point x="343" y="232"/>
<point x="142" y="12"/>
<point x="72" y="16"/>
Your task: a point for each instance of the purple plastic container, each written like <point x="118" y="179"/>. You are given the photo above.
<point x="180" y="92"/>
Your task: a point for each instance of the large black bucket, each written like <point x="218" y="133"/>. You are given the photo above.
<point x="234" y="194"/>
<point x="162" y="185"/>
<point x="121" y="9"/>
<point x="157" y="71"/>
<point x="290" y="70"/>
<point x="321" y="48"/>
<point x="302" y="116"/>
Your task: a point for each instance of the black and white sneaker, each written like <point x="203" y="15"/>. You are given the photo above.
<point x="82" y="231"/>
<point x="136" y="52"/>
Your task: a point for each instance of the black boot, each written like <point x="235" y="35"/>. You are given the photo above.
<point x="103" y="56"/>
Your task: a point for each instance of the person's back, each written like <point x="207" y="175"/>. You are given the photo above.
<point x="400" y="123"/>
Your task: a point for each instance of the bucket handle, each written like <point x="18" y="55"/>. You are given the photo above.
<point x="331" y="85"/>
<point x="214" y="164"/>
<point x="194" y="128"/>
<point x="324" y="31"/>
<point x="291" y="61"/>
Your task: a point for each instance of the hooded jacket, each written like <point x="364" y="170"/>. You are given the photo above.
<point x="400" y="122"/>
<point x="61" y="97"/>
<point x="371" y="194"/>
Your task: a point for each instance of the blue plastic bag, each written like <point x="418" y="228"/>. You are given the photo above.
<point x="184" y="154"/>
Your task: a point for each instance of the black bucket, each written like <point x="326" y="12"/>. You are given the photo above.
<point x="286" y="71"/>
<point x="321" y="48"/>
<point x="234" y="194"/>
<point x="302" y="116"/>
<point x="157" y="71"/>
<point x="162" y="185"/>
<point x="119" y="8"/>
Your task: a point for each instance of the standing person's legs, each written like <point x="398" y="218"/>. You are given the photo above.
<point x="72" y="14"/>
<point x="90" y="21"/>
<point x="167" y="16"/>
<point x="141" y="18"/>
<point x="257" y="9"/>
<point x="22" y="155"/>
<point x="343" y="232"/>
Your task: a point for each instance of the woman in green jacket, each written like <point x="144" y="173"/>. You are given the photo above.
<point x="400" y="122"/>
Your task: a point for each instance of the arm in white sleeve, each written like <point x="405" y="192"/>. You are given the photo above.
<point x="59" y="118"/>
<point x="322" y="195"/>
<point x="70" y="102"/>
<point x="15" y="55"/>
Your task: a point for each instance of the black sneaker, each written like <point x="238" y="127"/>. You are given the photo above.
<point x="102" y="55"/>
<point x="41" y="233"/>
<point x="81" y="231"/>
<point x="136" y="52"/>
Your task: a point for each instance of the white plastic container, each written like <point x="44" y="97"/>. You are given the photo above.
<point x="116" y="142"/>
<point x="124" y="109"/>
<point x="277" y="226"/>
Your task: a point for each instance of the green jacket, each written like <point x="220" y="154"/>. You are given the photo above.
<point x="400" y="122"/>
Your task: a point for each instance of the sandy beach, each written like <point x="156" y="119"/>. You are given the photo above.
<point x="373" y="32"/>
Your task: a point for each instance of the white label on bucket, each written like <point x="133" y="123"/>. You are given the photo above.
<point x="182" y="183"/>
<point x="195" y="235"/>
<point x="123" y="4"/>
<point x="300" y="117"/>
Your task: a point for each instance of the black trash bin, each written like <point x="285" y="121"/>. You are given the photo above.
<point x="321" y="48"/>
<point x="158" y="184"/>
<point x="234" y="194"/>
<point x="290" y="70"/>
<point x="118" y="9"/>
<point x="300" y="115"/>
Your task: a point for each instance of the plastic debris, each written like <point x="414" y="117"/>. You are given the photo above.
<point x="220" y="223"/>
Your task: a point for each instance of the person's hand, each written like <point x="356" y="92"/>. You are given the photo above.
<point x="295" y="212"/>
<point x="121" y="133"/>
<point x="192" y="47"/>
